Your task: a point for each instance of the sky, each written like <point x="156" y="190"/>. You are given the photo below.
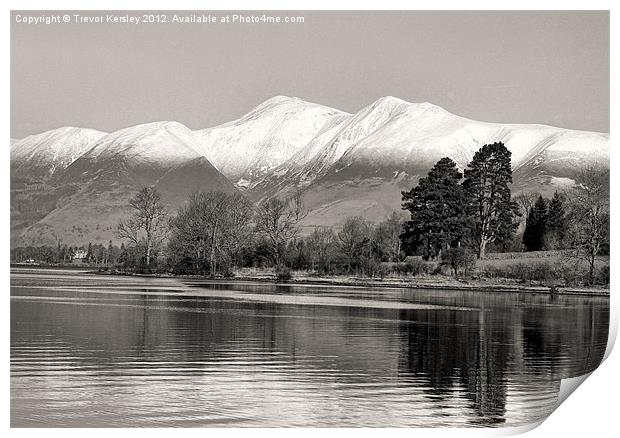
<point x="517" y="67"/>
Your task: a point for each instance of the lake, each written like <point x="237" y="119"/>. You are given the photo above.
<point x="89" y="351"/>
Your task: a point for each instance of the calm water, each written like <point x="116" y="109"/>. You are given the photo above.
<point x="111" y="351"/>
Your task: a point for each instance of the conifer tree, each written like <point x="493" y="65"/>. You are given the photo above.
<point x="438" y="210"/>
<point x="536" y="226"/>
<point x="486" y="185"/>
<point x="89" y="253"/>
<point x="556" y="222"/>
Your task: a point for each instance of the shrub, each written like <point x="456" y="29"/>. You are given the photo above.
<point x="436" y="269"/>
<point x="542" y="272"/>
<point x="228" y="272"/>
<point x="371" y="267"/>
<point x="413" y="266"/>
<point x="381" y="271"/>
<point x="283" y="273"/>
<point x="602" y="276"/>
<point x="459" y="259"/>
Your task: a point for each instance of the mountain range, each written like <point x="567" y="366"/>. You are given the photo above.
<point x="73" y="184"/>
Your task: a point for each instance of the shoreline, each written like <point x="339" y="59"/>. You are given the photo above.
<point x="443" y="283"/>
<point x="416" y="283"/>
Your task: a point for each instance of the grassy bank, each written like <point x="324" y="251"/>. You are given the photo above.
<point x="518" y="272"/>
<point x="422" y="281"/>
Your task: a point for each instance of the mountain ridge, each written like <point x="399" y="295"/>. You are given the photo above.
<point x="345" y="164"/>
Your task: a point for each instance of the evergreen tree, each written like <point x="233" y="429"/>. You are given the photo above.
<point x="542" y="212"/>
<point x="89" y="253"/>
<point x="531" y="224"/>
<point x="536" y="226"/>
<point x="488" y="195"/>
<point x="556" y="222"/>
<point x="438" y="210"/>
<point x="110" y="258"/>
<point x="123" y="257"/>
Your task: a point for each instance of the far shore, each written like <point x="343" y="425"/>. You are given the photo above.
<point x="443" y="282"/>
<point x="420" y="282"/>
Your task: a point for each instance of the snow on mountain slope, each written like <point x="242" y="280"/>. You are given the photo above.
<point x="419" y="135"/>
<point x="369" y="157"/>
<point x="157" y="143"/>
<point x="387" y="134"/>
<point x="141" y="152"/>
<point x="251" y="146"/>
<point x="163" y="154"/>
<point x="41" y="156"/>
<point x="328" y="146"/>
<point x="158" y="154"/>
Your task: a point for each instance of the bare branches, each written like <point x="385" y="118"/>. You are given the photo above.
<point x="211" y="230"/>
<point x="277" y="221"/>
<point x="589" y="214"/>
<point x="128" y="230"/>
<point x="525" y="201"/>
<point x="149" y="222"/>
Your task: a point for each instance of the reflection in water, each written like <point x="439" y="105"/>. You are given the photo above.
<point x="114" y="351"/>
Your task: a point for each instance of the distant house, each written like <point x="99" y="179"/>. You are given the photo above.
<point x="79" y="254"/>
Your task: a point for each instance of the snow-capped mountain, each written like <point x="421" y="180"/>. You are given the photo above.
<point x="111" y="171"/>
<point x="44" y="155"/>
<point x="344" y="164"/>
<point x="268" y="135"/>
<point x="360" y="163"/>
<point x="149" y="150"/>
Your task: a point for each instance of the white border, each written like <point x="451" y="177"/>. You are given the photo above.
<point x="590" y="411"/>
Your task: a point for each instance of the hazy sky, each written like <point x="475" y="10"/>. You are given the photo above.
<point x="521" y="67"/>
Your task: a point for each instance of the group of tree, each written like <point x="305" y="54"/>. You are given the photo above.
<point x="96" y="254"/>
<point x="452" y="216"/>
<point x="576" y="221"/>
<point x="214" y="232"/>
<point x="546" y="225"/>
<point x="450" y="209"/>
<point x="209" y="233"/>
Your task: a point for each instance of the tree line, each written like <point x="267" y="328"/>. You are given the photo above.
<point x="97" y="254"/>
<point x="215" y="232"/>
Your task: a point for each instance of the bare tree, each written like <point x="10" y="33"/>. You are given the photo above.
<point x="354" y="238"/>
<point x="589" y="214"/>
<point x="277" y="222"/>
<point x="236" y="225"/>
<point x="322" y="245"/>
<point x="148" y="224"/>
<point x="387" y="236"/>
<point x="211" y="229"/>
<point x="526" y="201"/>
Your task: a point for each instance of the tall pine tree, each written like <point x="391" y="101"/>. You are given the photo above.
<point x="488" y="195"/>
<point x="437" y="206"/>
<point x="536" y="226"/>
<point x="556" y="223"/>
